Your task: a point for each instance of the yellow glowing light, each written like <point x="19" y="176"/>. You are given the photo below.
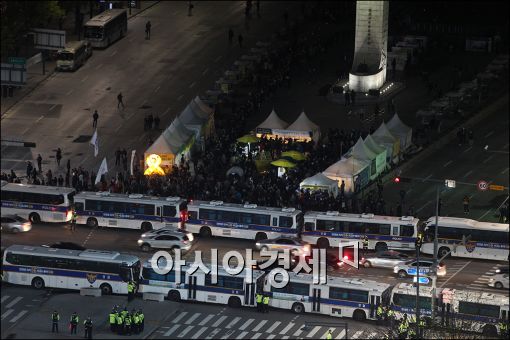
<point x="153" y="162"/>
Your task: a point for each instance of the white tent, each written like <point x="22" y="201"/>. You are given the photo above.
<point x="361" y="151"/>
<point x="404" y="132"/>
<point x="347" y="170"/>
<point x="272" y="122"/>
<point x="303" y="129"/>
<point x="380" y="151"/>
<point x="197" y="116"/>
<point x="383" y="136"/>
<point x="320" y="182"/>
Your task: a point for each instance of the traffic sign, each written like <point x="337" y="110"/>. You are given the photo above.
<point x="496" y="187"/>
<point x="482" y="185"/>
<point x="449" y="183"/>
<point x="423" y="280"/>
<point x="17" y="60"/>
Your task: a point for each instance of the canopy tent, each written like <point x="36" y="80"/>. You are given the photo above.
<point x="272" y="122"/>
<point x="351" y="170"/>
<point x="320" y="182"/>
<point x="402" y="131"/>
<point x="383" y="136"/>
<point x="380" y="151"/>
<point x="303" y="129"/>
<point x="361" y="151"/>
<point x="199" y="117"/>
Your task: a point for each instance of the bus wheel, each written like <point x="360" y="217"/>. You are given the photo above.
<point x="381" y="246"/>
<point x="498" y="285"/>
<point x="146" y="226"/>
<point x="34" y="218"/>
<point x="234" y="302"/>
<point x="442" y="252"/>
<point x="174" y="295"/>
<point x="38" y="283"/>
<point x="359" y="315"/>
<point x="260" y="237"/>
<point x="106" y="289"/>
<point x="92" y="222"/>
<point x="367" y="264"/>
<point x="298" y="308"/>
<point x="205" y="232"/>
<point x="323" y="243"/>
<point x="490" y="331"/>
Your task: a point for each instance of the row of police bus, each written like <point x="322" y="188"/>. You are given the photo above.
<point x="249" y="221"/>
<point x="354" y="298"/>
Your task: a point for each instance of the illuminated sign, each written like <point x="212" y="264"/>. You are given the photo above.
<point x="153" y="165"/>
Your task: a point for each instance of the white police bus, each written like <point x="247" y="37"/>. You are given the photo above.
<point x="329" y="229"/>
<point x="107" y="27"/>
<point x="134" y="211"/>
<point x="43" y="267"/>
<point x="342" y="297"/>
<point x="232" y="290"/>
<point x="38" y="203"/>
<point x="247" y="221"/>
<point x="489" y="241"/>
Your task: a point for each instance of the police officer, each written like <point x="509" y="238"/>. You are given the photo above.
<point x="259" y="302"/>
<point x="113" y="320"/>
<point x="379" y="313"/>
<point x="403" y="327"/>
<point x="88" y="328"/>
<point x="120" y="321"/>
<point x="141" y="317"/>
<point x="73" y="220"/>
<point x="391" y="316"/>
<point x="74" y="322"/>
<point x="421" y="327"/>
<point x="136" y="323"/>
<point x="130" y="289"/>
<point x="503" y="329"/>
<point x="54" y="321"/>
<point x="365" y="244"/>
<point x="127" y="324"/>
<point x="265" y="301"/>
<point x="329" y="335"/>
<point x="411" y="334"/>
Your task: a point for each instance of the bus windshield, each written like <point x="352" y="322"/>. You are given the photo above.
<point x="94" y="32"/>
<point x="65" y="56"/>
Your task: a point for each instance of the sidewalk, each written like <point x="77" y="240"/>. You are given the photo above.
<point x="35" y="74"/>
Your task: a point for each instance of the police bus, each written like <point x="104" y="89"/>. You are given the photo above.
<point x="329" y="229"/>
<point x="247" y="221"/>
<point x="341" y="297"/>
<point x="107" y="27"/>
<point x="232" y="290"/>
<point x="43" y="267"/>
<point x="38" y="203"/>
<point x="488" y="241"/>
<point x="135" y="211"/>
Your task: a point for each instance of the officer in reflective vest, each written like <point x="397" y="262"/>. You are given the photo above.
<point x="365" y="244"/>
<point x="391" y="316"/>
<point x="88" y="328"/>
<point x="141" y="317"/>
<point x="74" y="322"/>
<point x="411" y="334"/>
<point x="135" y="323"/>
<point x="127" y="324"/>
<point x="120" y="321"/>
<point x="130" y="289"/>
<point x="55" y="317"/>
<point x="503" y="329"/>
<point x="265" y="301"/>
<point x="259" y="302"/>
<point x="379" y="314"/>
<point x="329" y="336"/>
<point x="403" y="327"/>
<point x="113" y="320"/>
<point x="421" y="327"/>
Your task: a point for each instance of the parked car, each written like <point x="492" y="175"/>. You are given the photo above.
<point x="384" y="259"/>
<point x="168" y="240"/>
<point x="332" y="259"/>
<point x="499" y="281"/>
<point x="295" y="245"/>
<point x="166" y="230"/>
<point x="15" y="224"/>
<point x="408" y="268"/>
<point x="65" y="245"/>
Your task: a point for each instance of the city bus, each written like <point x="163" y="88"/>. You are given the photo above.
<point x="73" y="55"/>
<point x="134" y="211"/>
<point x="42" y="267"/>
<point x="38" y="203"/>
<point x="489" y="241"/>
<point x="232" y="290"/>
<point x="107" y="27"/>
<point x="330" y="229"/>
<point x="247" y="221"/>
<point x="341" y="297"/>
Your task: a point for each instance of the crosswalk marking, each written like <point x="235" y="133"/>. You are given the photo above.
<point x="171" y="330"/>
<point x="186" y="331"/>
<point x="9" y="311"/>
<point x="313" y="331"/>
<point x="242" y="335"/>
<point x="246" y="324"/>
<point x="179" y="317"/>
<point x="373" y="335"/>
<point x="270" y="336"/>
<point x="220" y="320"/>
<point x="13" y="302"/>
<point x="206" y="320"/>
<point x="190" y="320"/>
<point x="213" y="333"/>
<point x="199" y="333"/>
<point x="356" y="335"/>
<point x="233" y="322"/>
<point x="341" y="335"/>
<point x="273" y="327"/>
<point x="285" y="337"/>
<point x="5" y="297"/>
<point x="326" y="333"/>
<point x="298" y="332"/>
<point x="262" y="323"/>
<point x="286" y="329"/>
<point x="256" y="336"/>
<point x="17" y="317"/>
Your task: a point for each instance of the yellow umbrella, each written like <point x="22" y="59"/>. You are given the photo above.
<point x="283" y="163"/>
<point x="248" y="139"/>
<point x="296" y="155"/>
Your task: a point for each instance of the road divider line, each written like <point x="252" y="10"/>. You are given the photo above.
<point x="506" y="170"/>
<point x="113" y="53"/>
<point x="84" y="78"/>
<point x="458" y="271"/>
<point x="191" y="85"/>
<point x="99" y="66"/>
<point x="447" y="163"/>
<point x="26" y="130"/>
<point x="69" y="92"/>
<point x="489" y="134"/>
<point x="166" y="111"/>
<point x="157" y="89"/>
<point x="488" y="211"/>
<point x="52" y="107"/>
<point x="426" y="178"/>
<point x="467" y="149"/>
<point x="180" y="97"/>
<point x="467" y="173"/>
<point x="205" y="71"/>
<point x="488" y="159"/>
<point x="423" y="206"/>
<point x="38" y="119"/>
<point x="217" y="58"/>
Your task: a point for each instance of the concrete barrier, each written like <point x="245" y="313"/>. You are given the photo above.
<point x="96" y="292"/>
<point x="153" y="297"/>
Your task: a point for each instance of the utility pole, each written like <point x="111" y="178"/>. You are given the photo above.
<point x="434" y="274"/>
<point x="418" y="244"/>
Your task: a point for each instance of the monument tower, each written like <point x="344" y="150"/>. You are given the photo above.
<point x="371" y="42"/>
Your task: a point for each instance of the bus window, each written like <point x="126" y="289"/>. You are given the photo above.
<point x="406" y="230"/>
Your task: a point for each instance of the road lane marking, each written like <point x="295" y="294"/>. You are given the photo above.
<point x="13" y="302"/>
<point x="157" y="89"/>
<point x="180" y="97"/>
<point x="166" y="111"/>
<point x="176" y="320"/>
<point x="458" y="271"/>
<point x="488" y="211"/>
<point x="286" y="329"/>
<point x="447" y="163"/>
<point x="218" y="59"/>
<point x="38" y="119"/>
<point x="273" y="327"/>
<point x="190" y="320"/>
<point x="6" y="314"/>
<point x="270" y="336"/>
<point x="259" y="326"/>
<point x="141" y="137"/>
<point x="52" y="107"/>
<point x="467" y="149"/>
<point x="113" y="53"/>
<point x="341" y="335"/>
<point x="171" y="330"/>
<point x="191" y="85"/>
<point x="246" y="324"/>
<point x="489" y="134"/>
<point x="197" y="334"/>
<point x="205" y="71"/>
<point x="313" y="331"/>
<point x="99" y="66"/>
<point x="233" y="322"/>
<point x="219" y="321"/>
<point x="467" y="173"/>
<point x="356" y="335"/>
<point x="256" y="336"/>
<point x="184" y="332"/>
<point x="426" y="178"/>
<point x="206" y="320"/>
<point x="5" y="297"/>
<point x="69" y="92"/>
<point x="83" y="160"/>
<point x="423" y="206"/>
<point x="84" y="78"/>
<point x="25" y="131"/>
<point x="298" y="332"/>
<point x="17" y="317"/>
<point x="242" y="335"/>
<point x="488" y="159"/>
<point x="502" y="172"/>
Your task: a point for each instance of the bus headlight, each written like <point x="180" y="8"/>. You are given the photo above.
<point x="139" y="242"/>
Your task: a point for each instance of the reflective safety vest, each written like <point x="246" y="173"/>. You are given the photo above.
<point x="119" y="319"/>
<point x="130" y="287"/>
<point x="113" y="318"/>
<point x="74" y="319"/>
<point x="422" y="323"/>
<point x="411" y="332"/>
<point x="379" y="311"/>
<point x="127" y="320"/>
<point x="124" y="313"/>
<point x="403" y="327"/>
<point x="502" y="327"/>
<point x="329" y="336"/>
<point x="55" y="317"/>
<point x="266" y="300"/>
<point x="259" y="298"/>
<point x="136" y="319"/>
<point x="390" y="312"/>
<point x="141" y="317"/>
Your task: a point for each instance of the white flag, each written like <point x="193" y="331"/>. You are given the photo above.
<point x="103" y="169"/>
<point x="132" y="161"/>
<point x="95" y="141"/>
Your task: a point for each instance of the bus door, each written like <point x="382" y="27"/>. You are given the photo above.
<point x="374" y="301"/>
<point x="192" y="287"/>
<point x="159" y="213"/>
<point x="249" y="294"/>
<point x="316" y="300"/>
